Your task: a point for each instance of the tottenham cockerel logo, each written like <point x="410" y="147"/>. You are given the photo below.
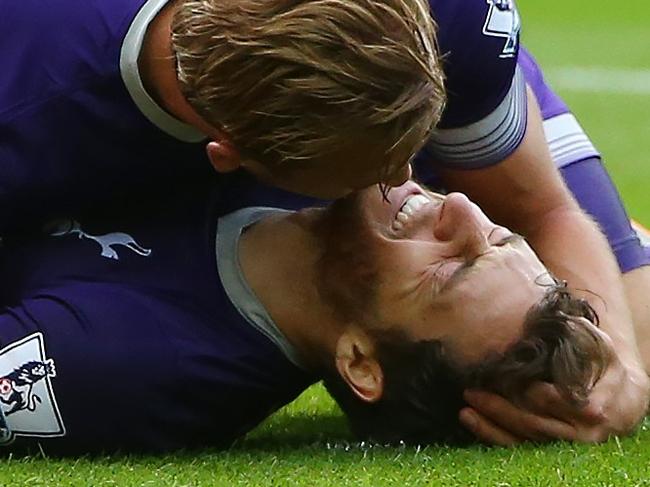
<point x="503" y="21"/>
<point x="27" y="398"/>
<point x="108" y="243"/>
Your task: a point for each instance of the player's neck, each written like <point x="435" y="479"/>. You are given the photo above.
<point x="279" y="257"/>
<point x="158" y="71"/>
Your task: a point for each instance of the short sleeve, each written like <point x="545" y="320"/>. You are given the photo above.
<point x="485" y="117"/>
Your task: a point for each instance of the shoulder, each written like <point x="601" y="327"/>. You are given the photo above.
<point x="76" y="37"/>
<point x="69" y="21"/>
<point x="49" y="47"/>
<point x="479" y="43"/>
<point x="492" y="24"/>
<point x="485" y="117"/>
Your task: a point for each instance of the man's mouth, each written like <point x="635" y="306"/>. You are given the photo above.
<point x="411" y="206"/>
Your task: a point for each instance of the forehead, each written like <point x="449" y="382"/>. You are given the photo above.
<point x="483" y="312"/>
<point x="486" y="311"/>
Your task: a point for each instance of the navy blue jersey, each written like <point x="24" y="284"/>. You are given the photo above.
<point x="485" y="117"/>
<point x="76" y="125"/>
<point x="136" y="336"/>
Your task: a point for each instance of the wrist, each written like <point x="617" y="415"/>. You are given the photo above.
<point x="639" y="384"/>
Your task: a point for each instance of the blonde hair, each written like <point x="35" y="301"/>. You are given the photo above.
<point x="289" y="79"/>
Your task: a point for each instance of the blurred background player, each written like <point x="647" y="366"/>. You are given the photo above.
<point x="133" y="334"/>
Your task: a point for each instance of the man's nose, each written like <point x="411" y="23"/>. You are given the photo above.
<point x="463" y="226"/>
<point x="475" y="243"/>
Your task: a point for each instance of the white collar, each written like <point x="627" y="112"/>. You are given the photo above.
<point x="229" y="230"/>
<point x="130" y="72"/>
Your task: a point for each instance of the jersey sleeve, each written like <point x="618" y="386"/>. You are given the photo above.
<point x="485" y="117"/>
<point x="594" y="190"/>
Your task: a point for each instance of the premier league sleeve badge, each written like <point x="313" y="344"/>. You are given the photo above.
<point x="27" y="400"/>
<point x="503" y="21"/>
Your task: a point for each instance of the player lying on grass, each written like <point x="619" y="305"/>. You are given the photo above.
<point x="185" y="328"/>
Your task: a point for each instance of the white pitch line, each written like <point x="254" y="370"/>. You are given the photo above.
<point x="597" y="79"/>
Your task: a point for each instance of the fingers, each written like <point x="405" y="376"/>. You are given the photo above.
<point x="486" y="431"/>
<point x="616" y="404"/>
<point x="544" y="399"/>
<point x="498" y="421"/>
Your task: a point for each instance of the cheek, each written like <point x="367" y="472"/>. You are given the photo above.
<point x="400" y="269"/>
<point x="412" y="271"/>
<point x="347" y="268"/>
<point x="502" y="321"/>
<point x="443" y="271"/>
<point x="430" y="264"/>
<point x="478" y="322"/>
<point x="475" y="338"/>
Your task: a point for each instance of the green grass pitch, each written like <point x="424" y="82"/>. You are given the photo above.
<point x="306" y="443"/>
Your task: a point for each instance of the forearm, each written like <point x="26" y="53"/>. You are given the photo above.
<point x="572" y="246"/>
<point x="637" y="291"/>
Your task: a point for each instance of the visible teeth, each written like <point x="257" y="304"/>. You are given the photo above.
<point x="409" y="210"/>
<point x="410" y="206"/>
<point x="413" y="203"/>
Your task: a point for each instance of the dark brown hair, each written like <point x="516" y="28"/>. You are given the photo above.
<point x="423" y="382"/>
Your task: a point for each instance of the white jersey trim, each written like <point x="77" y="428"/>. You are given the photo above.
<point x="130" y="72"/>
<point x="642" y="232"/>
<point x="567" y="141"/>
<point x="229" y="230"/>
<point x="489" y="140"/>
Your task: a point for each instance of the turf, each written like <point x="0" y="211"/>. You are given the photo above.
<point x="307" y="443"/>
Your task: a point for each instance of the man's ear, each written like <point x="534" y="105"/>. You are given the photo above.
<point x="356" y="362"/>
<point x="223" y="155"/>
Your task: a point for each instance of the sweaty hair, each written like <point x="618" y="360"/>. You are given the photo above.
<point x="290" y="79"/>
<point x="423" y="382"/>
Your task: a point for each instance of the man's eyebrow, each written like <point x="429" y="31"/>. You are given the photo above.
<point x="457" y="276"/>
<point x="510" y="239"/>
<point x="460" y="273"/>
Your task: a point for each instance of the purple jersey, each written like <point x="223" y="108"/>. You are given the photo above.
<point x="138" y="335"/>
<point x="485" y="117"/>
<point x="76" y="125"/>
